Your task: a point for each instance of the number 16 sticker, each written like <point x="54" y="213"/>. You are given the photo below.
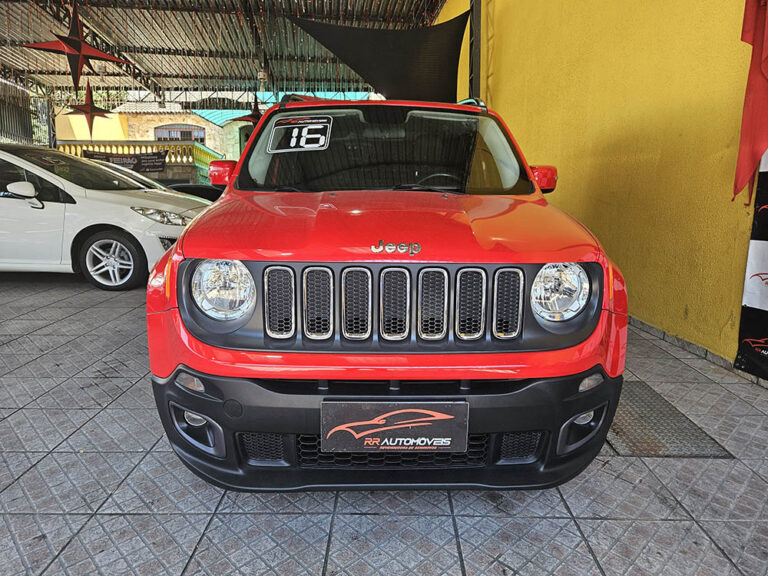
<point x="300" y="133"/>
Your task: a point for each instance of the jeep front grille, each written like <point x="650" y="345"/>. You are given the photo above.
<point x="279" y="308"/>
<point x="318" y="303"/>
<point x="394" y="305"/>
<point x="433" y="303"/>
<point x="356" y="298"/>
<point x="470" y="303"/>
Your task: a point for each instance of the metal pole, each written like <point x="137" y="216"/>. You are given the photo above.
<point x="475" y="43"/>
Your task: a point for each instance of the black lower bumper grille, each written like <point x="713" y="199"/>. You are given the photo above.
<point x="309" y="456"/>
<point x="519" y="445"/>
<point x="263" y="446"/>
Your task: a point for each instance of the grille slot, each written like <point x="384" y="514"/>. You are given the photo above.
<point x="470" y="303"/>
<point x="519" y="445"/>
<point x="508" y="303"/>
<point x="279" y="308"/>
<point x="356" y="303"/>
<point x="263" y="446"/>
<point x="309" y="456"/>
<point x="318" y="303"/>
<point x="433" y="303"/>
<point x="395" y="303"/>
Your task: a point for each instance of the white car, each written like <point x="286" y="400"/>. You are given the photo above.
<point x="60" y="213"/>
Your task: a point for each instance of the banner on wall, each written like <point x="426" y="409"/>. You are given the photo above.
<point x="146" y="162"/>
<point x="753" y="333"/>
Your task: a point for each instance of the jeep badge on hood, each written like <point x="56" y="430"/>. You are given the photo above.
<point x="411" y="248"/>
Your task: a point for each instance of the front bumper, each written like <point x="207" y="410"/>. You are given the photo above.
<point x="262" y="432"/>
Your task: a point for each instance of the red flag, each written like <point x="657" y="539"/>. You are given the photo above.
<point x="754" y="122"/>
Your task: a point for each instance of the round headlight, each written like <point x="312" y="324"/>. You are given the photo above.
<point x="560" y="291"/>
<point x="223" y="289"/>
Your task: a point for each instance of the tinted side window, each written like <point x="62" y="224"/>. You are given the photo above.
<point x="46" y="191"/>
<point x="9" y="173"/>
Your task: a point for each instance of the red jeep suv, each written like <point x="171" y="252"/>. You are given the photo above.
<point x="383" y="298"/>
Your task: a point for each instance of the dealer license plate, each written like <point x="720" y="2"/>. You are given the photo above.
<point x="394" y="426"/>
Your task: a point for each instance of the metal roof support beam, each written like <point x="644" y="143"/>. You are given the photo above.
<point x="99" y="41"/>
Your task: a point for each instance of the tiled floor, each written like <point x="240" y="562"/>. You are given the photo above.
<point x="88" y="483"/>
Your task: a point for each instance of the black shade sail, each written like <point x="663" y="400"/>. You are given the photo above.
<point x="416" y="64"/>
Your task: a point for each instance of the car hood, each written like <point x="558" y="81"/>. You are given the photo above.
<point x="343" y="226"/>
<point x="152" y="198"/>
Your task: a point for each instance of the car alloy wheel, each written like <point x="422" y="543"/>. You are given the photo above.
<point x="109" y="262"/>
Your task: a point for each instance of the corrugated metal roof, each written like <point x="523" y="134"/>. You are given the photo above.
<point x="215" y="45"/>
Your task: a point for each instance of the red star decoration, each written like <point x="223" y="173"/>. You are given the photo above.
<point x="88" y="109"/>
<point x="78" y="52"/>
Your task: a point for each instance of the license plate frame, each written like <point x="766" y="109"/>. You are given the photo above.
<point x="377" y="426"/>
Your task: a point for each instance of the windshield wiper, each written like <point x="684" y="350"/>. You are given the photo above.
<point x="427" y="188"/>
<point x="281" y="189"/>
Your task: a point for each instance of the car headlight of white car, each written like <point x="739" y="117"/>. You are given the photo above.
<point x="560" y="291"/>
<point x="163" y="216"/>
<point x="223" y="289"/>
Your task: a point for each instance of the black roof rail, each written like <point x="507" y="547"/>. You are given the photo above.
<point x="473" y="102"/>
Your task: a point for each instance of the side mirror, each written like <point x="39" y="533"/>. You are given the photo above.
<point x="22" y="189"/>
<point x="220" y="171"/>
<point x="546" y="177"/>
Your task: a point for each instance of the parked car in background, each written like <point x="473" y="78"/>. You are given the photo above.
<point x="211" y="193"/>
<point x="383" y="297"/>
<point x="61" y="213"/>
<point x="205" y="191"/>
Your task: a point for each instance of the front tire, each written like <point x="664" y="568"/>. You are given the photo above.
<point x="113" y="260"/>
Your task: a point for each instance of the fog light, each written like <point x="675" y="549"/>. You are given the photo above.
<point x="190" y="382"/>
<point x="590" y="382"/>
<point x="581" y="420"/>
<point x="193" y="419"/>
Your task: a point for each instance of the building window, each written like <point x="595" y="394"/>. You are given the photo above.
<point x="176" y="132"/>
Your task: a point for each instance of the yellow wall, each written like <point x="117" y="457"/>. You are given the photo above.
<point x="638" y="104"/>
<point x="75" y="127"/>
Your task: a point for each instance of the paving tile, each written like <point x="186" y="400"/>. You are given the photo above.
<point x="14" y="464"/>
<point x="79" y="392"/>
<point x="704" y="398"/>
<point x="638" y="347"/>
<point x="760" y="466"/>
<point x="508" y="503"/>
<point x="714" y="489"/>
<point x="393" y="545"/>
<point x="647" y="547"/>
<point x="524" y="546"/>
<point x="16" y="391"/>
<point x="742" y="436"/>
<point x="117" y="366"/>
<point x="755" y="395"/>
<point x="675" y="350"/>
<point x="12" y="362"/>
<point x="134" y="544"/>
<point x="262" y="544"/>
<point x="139" y="395"/>
<point x="19" y="327"/>
<point x="39" y="430"/>
<point x="620" y="488"/>
<point x="52" y="365"/>
<point x="68" y="483"/>
<point x="713" y="371"/>
<point x="161" y="483"/>
<point x="745" y="543"/>
<point x="29" y="542"/>
<point x="117" y="430"/>
<point x="278" y="502"/>
<point x="664" y="370"/>
<point x="33" y="344"/>
<point x="434" y="502"/>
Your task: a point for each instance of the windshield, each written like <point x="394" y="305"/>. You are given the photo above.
<point x="383" y="148"/>
<point x="144" y="181"/>
<point x="77" y="170"/>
